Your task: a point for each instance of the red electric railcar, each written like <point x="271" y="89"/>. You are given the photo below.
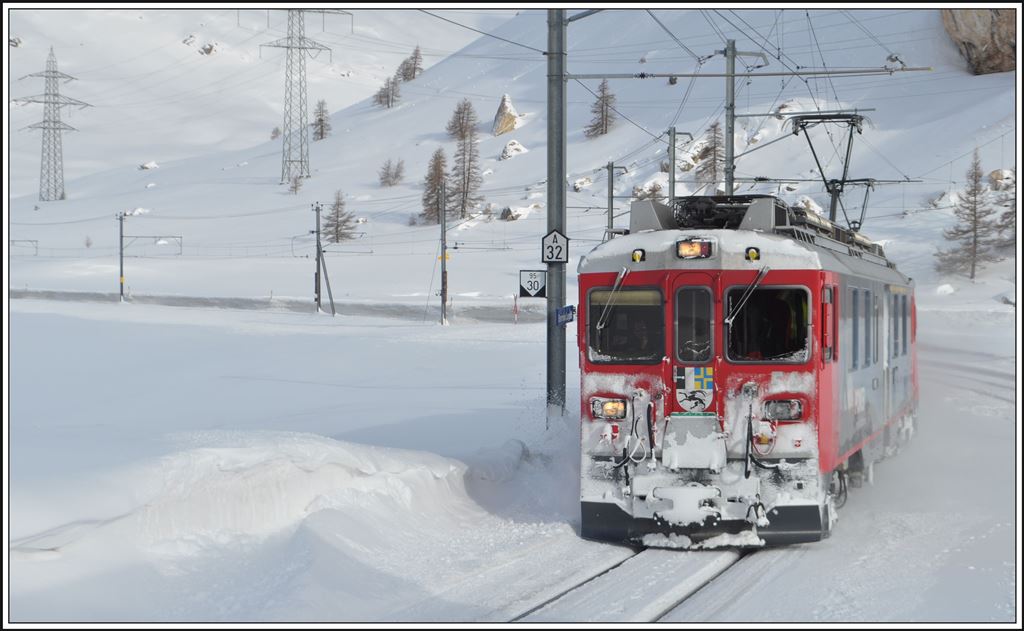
<point x="743" y="362"/>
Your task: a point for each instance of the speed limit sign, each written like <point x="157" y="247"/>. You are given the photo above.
<point x="533" y="283"/>
<point x="554" y="248"/>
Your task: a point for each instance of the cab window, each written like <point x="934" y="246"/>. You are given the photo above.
<point x="626" y="326"/>
<point x="771" y="326"/>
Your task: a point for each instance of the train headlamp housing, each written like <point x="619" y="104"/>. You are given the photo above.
<point x="608" y="408"/>
<point x="693" y="248"/>
<point x="784" y="410"/>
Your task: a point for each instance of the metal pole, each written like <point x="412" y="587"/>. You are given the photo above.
<point x="319" y="253"/>
<point x="611" y="197"/>
<point x="730" y="112"/>
<point x="444" y="257"/>
<point x="556" y="209"/>
<point x="671" y="164"/>
<point x="327" y="280"/>
<point x="120" y="239"/>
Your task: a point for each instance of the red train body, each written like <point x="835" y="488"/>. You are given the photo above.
<point x="740" y="360"/>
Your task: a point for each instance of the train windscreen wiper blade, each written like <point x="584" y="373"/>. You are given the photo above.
<point x="746" y="295"/>
<point x="603" y="320"/>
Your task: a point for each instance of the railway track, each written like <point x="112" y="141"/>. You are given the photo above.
<point x="642" y="588"/>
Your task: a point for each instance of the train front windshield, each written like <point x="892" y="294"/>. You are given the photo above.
<point x="626" y="326"/>
<point x="771" y="326"/>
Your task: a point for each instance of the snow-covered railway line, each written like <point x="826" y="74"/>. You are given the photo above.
<point x="643" y="588"/>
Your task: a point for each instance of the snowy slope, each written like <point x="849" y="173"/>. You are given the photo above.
<point x="205" y="464"/>
<point x="241" y="230"/>
<point x="155" y="97"/>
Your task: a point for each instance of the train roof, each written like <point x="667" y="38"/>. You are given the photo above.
<point x="785" y="237"/>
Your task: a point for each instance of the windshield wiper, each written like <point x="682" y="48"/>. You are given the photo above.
<point x="603" y="320"/>
<point x="746" y="295"/>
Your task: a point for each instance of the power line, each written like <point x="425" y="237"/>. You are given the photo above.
<point x="482" y="32"/>
<point x="672" y="35"/>
<point x="628" y="119"/>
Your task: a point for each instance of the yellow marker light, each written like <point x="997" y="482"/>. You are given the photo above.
<point x="753" y="254"/>
<point x="639" y="255"/>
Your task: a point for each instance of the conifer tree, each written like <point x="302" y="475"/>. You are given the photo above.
<point x="433" y="202"/>
<point x="417" y="62"/>
<point x="711" y="158"/>
<point x="604" y="116"/>
<point x="1007" y="225"/>
<point x="391" y="173"/>
<point x="976" y="232"/>
<point x="321" y="121"/>
<point x="339" y="224"/>
<point x="465" y="176"/>
<point x="389" y="93"/>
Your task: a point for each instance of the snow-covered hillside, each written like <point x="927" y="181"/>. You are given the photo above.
<point x="212" y="464"/>
<point x="240" y="229"/>
<point x="156" y="97"/>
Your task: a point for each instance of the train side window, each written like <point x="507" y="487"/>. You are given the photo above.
<point x="867" y="328"/>
<point x="895" y="326"/>
<point x="903" y="311"/>
<point x="855" y="319"/>
<point x="874" y="319"/>
<point x="693" y="324"/>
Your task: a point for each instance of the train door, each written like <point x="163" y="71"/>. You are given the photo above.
<point x="694" y="311"/>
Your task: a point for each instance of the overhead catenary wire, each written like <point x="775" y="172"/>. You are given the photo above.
<point x="508" y="41"/>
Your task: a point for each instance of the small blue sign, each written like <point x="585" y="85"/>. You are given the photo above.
<point x="565" y="314"/>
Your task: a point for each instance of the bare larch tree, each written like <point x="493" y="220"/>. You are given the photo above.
<point x="976" y="232"/>
<point x="603" y="113"/>
<point x="433" y="185"/>
<point x="465" y="175"/>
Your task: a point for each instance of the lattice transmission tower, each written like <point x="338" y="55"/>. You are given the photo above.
<point x="51" y="168"/>
<point x="295" y="134"/>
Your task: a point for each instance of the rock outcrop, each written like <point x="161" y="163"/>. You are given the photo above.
<point x="507" y="118"/>
<point x="513" y="148"/>
<point x="987" y="38"/>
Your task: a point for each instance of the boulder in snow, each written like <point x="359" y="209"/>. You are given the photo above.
<point x="1002" y="179"/>
<point x="209" y="49"/>
<point x="944" y="290"/>
<point x="188" y="41"/>
<point x="506" y="119"/>
<point x="149" y="165"/>
<point x="14" y="42"/>
<point x="512" y="148"/>
<point x="581" y="184"/>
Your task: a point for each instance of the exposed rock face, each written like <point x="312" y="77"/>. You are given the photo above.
<point x="987" y="38"/>
<point x="507" y="118"/>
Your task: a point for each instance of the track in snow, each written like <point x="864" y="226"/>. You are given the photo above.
<point x="641" y="588"/>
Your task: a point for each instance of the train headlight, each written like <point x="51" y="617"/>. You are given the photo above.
<point x="784" y="410"/>
<point x="693" y="249"/>
<point x="608" y="408"/>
